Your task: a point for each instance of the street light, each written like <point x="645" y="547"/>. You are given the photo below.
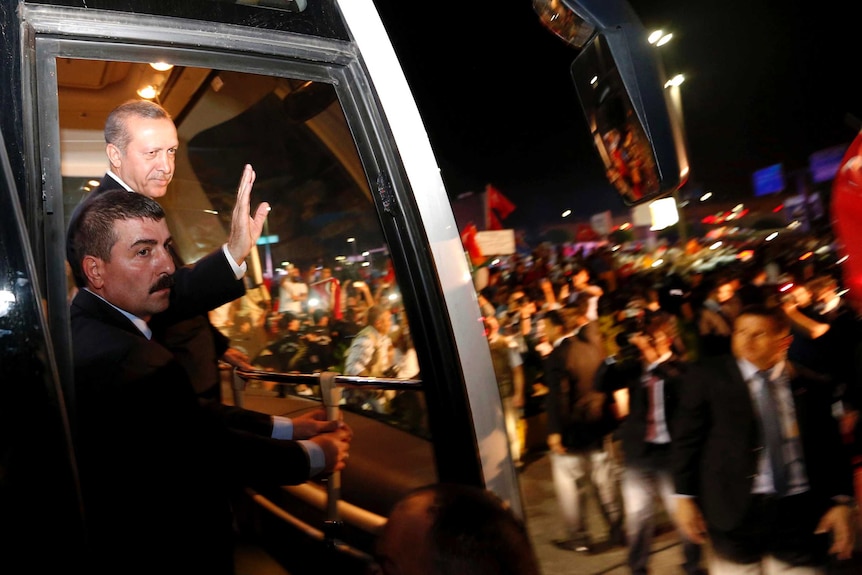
<point x="352" y="241"/>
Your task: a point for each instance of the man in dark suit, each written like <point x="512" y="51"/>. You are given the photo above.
<point x="579" y="419"/>
<point x="141" y="145"/>
<point x="758" y="459"/>
<point x="650" y="381"/>
<point x="156" y="467"/>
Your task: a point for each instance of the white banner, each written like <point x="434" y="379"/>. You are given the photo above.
<point x="602" y="223"/>
<point x="496" y="242"/>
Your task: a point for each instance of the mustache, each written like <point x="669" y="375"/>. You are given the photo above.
<point x="165" y="282"/>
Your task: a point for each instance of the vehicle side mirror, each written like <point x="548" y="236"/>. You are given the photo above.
<point x="636" y="129"/>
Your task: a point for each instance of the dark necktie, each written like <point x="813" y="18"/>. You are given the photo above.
<point x="771" y="421"/>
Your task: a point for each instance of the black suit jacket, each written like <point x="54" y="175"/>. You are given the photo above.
<point x="156" y="468"/>
<point x="570" y="371"/>
<point x="717" y="440"/>
<point x="629" y="375"/>
<point x="185" y="328"/>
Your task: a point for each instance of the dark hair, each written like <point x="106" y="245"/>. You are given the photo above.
<point x="116" y="126"/>
<point x="319" y="314"/>
<point x="555" y="317"/>
<point x="93" y="233"/>
<point x="473" y="532"/>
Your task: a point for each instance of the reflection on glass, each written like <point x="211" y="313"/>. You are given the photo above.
<point x="618" y="134"/>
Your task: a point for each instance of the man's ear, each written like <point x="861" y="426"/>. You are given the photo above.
<point x="93" y="268"/>
<point x="114" y="155"/>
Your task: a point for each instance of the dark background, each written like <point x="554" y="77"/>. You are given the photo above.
<point x="767" y="81"/>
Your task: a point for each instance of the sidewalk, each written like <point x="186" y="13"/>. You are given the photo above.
<point x="544" y="525"/>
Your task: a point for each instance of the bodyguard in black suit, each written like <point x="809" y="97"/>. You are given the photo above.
<point x="156" y="468"/>
<point x="755" y="507"/>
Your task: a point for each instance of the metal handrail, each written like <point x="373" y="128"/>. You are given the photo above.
<point x="351" y="381"/>
<point x="331" y="385"/>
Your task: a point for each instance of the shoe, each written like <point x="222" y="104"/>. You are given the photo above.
<point x="578" y="545"/>
<point x="617" y="537"/>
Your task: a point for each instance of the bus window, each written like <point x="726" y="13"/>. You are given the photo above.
<point x="323" y="230"/>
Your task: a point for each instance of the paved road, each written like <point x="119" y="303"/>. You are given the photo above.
<point x="544" y="524"/>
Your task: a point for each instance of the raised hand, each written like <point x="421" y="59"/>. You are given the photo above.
<point x="244" y="229"/>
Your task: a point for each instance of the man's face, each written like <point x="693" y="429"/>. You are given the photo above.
<point x="580" y="279"/>
<point x="757" y="340"/>
<point x="147" y="163"/>
<point x="725" y="292"/>
<point x="384" y="323"/>
<point x="134" y="279"/>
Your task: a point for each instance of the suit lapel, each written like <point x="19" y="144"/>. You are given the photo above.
<point x="97" y="308"/>
<point x="737" y="388"/>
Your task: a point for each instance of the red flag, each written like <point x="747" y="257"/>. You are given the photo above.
<point x="468" y="238"/>
<point x="585" y="233"/>
<point x="390" y="274"/>
<point x="493" y="221"/>
<point x="497" y="202"/>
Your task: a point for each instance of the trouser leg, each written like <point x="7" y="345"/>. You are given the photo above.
<point x="567" y="471"/>
<point x="638" y="491"/>
<point x="604" y="477"/>
<point x="511" y="416"/>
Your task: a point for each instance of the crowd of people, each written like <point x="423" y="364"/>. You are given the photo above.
<point x="607" y="351"/>
<point x="649" y="386"/>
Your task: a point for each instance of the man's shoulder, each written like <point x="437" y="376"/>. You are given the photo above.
<point x="709" y="368"/>
<point x="107" y="184"/>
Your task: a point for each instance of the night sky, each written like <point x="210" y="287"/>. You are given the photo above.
<point x="766" y="82"/>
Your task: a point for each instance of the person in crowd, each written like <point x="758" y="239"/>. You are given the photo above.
<point x="583" y="288"/>
<point x="714" y="318"/>
<point x="171" y="461"/>
<point x="651" y="381"/>
<point x="292" y="292"/>
<point x="832" y="344"/>
<point x="141" y="146"/>
<point x="371" y="355"/>
<point x="672" y="327"/>
<point x="509" y="371"/>
<point x="326" y="293"/>
<point x="580" y="419"/>
<point x="758" y="461"/>
<point x="754" y="288"/>
<point x="448" y="529"/>
<point x="288" y="352"/>
<point x="319" y="336"/>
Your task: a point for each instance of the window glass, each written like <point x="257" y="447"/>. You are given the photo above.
<point x="322" y="261"/>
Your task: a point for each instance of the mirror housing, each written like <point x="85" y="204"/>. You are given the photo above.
<point x="635" y="121"/>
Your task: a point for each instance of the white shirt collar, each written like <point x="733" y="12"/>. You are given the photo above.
<point x="120" y="181"/>
<point x="139" y="323"/>
<point x="749" y="370"/>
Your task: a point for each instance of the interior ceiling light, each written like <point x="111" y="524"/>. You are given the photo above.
<point x="148" y="92"/>
<point x="161" y="66"/>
